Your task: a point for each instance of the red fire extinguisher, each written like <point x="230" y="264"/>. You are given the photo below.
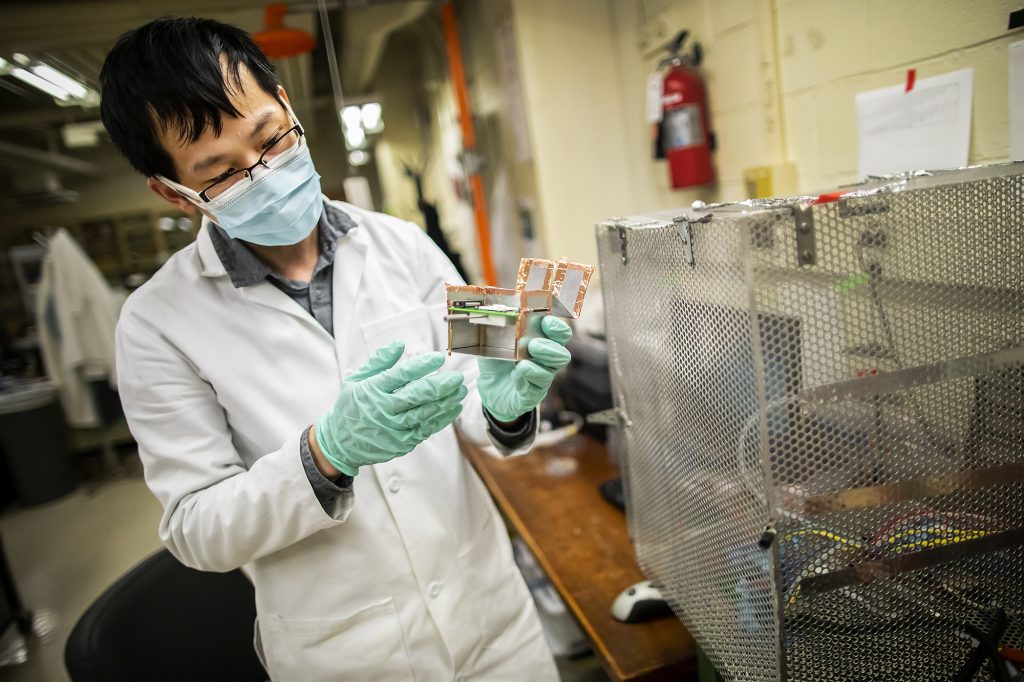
<point x="685" y="136"/>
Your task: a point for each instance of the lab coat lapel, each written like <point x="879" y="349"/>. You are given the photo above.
<point x="208" y="258"/>
<point x="264" y="293"/>
<point x="349" y="264"/>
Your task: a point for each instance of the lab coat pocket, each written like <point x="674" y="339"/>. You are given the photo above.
<point x="492" y="577"/>
<point x="411" y="326"/>
<point x="365" y="645"/>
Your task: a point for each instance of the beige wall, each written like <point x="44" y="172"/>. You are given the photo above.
<point x="585" y="67"/>
<point x="829" y="51"/>
<point x="576" y="117"/>
<point x="781" y="76"/>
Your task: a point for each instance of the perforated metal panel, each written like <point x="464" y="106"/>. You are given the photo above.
<point x="823" y="424"/>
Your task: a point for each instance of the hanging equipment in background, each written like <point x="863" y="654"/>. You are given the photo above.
<point x="472" y="162"/>
<point x="277" y="40"/>
<point x="684" y="135"/>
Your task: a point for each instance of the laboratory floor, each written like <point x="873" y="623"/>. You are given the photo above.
<point x="65" y="553"/>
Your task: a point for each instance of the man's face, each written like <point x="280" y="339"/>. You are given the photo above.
<point x="241" y="141"/>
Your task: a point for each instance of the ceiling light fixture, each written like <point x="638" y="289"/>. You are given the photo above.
<point x="358" y="157"/>
<point x="41" y="83"/>
<point x="351" y="117"/>
<point x="67" y="90"/>
<point x="373" y="121"/>
<point x="355" y="137"/>
<point x="67" y="83"/>
<point x="359" y="121"/>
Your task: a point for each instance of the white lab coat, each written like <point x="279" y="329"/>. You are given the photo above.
<point x="75" y="297"/>
<point x="414" y="580"/>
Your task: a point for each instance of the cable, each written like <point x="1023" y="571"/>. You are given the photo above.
<point x="751" y="422"/>
<point x="877" y="548"/>
<point x="988" y="647"/>
<point x="875" y="273"/>
<point x="332" y="64"/>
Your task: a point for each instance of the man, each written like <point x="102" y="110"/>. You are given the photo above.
<point x="283" y="380"/>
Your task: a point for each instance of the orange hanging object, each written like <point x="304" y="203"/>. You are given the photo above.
<point x="277" y="40"/>
<point x="476" y="185"/>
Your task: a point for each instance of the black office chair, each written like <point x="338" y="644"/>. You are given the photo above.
<point x="164" y="621"/>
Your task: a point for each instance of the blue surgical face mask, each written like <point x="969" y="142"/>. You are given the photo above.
<point x="280" y="206"/>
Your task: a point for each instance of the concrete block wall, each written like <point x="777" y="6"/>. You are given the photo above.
<point x="829" y="51"/>
<point x="781" y="74"/>
<point x="569" y="63"/>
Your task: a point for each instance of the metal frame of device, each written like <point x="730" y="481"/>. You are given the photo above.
<point x="499" y="323"/>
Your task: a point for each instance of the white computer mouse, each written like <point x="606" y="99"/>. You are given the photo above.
<point x="639" y="603"/>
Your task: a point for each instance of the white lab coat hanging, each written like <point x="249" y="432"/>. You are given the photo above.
<point x="414" y="578"/>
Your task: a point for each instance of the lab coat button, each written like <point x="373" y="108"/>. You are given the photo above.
<point x="394" y="484"/>
<point x="434" y="589"/>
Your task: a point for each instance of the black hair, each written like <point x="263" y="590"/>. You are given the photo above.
<point x="168" y="73"/>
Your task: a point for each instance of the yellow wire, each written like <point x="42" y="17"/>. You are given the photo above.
<point x="942" y="541"/>
<point x="958" y="535"/>
<point x="941" y="531"/>
<point x="792" y="599"/>
<point x="826" y="534"/>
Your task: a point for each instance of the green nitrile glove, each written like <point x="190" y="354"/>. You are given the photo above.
<point x="511" y="389"/>
<point x="388" y="407"/>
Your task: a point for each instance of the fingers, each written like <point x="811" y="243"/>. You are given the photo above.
<point x="373" y="445"/>
<point x="408" y="370"/>
<point x="383" y="358"/>
<point x="555" y="329"/>
<point x="494" y="365"/>
<point x="423" y="391"/>
<point x="432" y="426"/>
<point x="529" y="374"/>
<point x="416" y="417"/>
<point x="413" y="417"/>
<point x="552" y="355"/>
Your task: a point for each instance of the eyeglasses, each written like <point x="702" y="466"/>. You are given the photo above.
<point x="274" y="151"/>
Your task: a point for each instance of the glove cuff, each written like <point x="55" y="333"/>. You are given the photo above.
<point x="501" y="415"/>
<point x="323" y="433"/>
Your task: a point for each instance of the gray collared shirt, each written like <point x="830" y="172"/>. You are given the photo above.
<point x="317" y="298"/>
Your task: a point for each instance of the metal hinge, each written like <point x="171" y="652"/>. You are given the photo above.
<point x="622" y="243"/>
<point x="685" y="231"/>
<point x="806" y="244"/>
<point x="612" y="417"/>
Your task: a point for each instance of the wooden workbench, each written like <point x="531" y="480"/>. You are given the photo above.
<point x="550" y="497"/>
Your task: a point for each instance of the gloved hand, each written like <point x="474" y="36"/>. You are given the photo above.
<point x="388" y="407"/>
<point x="511" y="389"/>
